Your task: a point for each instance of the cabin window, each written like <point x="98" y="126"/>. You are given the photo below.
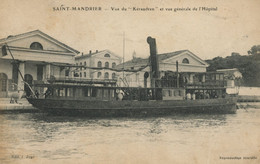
<point x="175" y="93"/>
<point x="99" y="93"/>
<point x="70" y="92"/>
<point x="86" y="92"/>
<point x="3" y="82"/>
<point x="99" y="74"/>
<point x="221" y="77"/>
<point x="94" y="92"/>
<point x="113" y="75"/>
<point x="36" y="46"/>
<point x="107" y="65"/>
<point x="106" y="75"/>
<point x="107" y="55"/>
<point x="170" y="93"/>
<point x="217" y="76"/>
<point x="213" y="77"/>
<point x="112" y="92"/>
<point x="67" y="71"/>
<point x="61" y="92"/>
<point x="185" y="61"/>
<point x="164" y="93"/>
<point x="78" y="92"/>
<point x="113" y="65"/>
<point x="99" y="65"/>
<point x="106" y="93"/>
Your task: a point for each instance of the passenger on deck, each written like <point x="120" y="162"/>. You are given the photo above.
<point x="206" y="95"/>
<point x="193" y="96"/>
<point x="188" y="96"/>
<point x="37" y="94"/>
<point x="120" y="95"/>
<point x="48" y="92"/>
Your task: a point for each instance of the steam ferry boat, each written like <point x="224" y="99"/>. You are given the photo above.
<point x="164" y="97"/>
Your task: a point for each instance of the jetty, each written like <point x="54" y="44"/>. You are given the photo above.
<point x="22" y="106"/>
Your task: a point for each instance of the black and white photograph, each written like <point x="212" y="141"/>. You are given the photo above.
<point x="129" y="82"/>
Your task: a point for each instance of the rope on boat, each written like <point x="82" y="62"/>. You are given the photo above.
<point x="241" y="106"/>
<point x="7" y="47"/>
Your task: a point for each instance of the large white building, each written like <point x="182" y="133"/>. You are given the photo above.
<point x="188" y="64"/>
<point x="104" y="62"/>
<point x="38" y="57"/>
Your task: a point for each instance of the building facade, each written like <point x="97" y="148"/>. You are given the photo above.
<point x="97" y="65"/>
<point x="33" y="57"/>
<point x="138" y="71"/>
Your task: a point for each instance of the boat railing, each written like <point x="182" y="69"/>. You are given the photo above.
<point x="173" y="83"/>
<point x="206" y="84"/>
<point x="81" y="80"/>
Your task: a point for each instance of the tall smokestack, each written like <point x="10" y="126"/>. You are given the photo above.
<point x="153" y="57"/>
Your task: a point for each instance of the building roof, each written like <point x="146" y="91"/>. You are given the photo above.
<point x="95" y="53"/>
<point x="141" y="62"/>
<point x="228" y="70"/>
<point x="15" y="37"/>
<point x="233" y="72"/>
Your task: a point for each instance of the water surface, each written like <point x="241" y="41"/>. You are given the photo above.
<point x="42" y="138"/>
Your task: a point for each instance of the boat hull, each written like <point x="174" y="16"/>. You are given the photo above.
<point x="134" y="108"/>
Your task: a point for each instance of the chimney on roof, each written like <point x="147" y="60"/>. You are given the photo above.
<point x="82" y="54"/>
<point x="134" y="55"/>
<point x="89" y="51"/>
<point x="96" y="51"/>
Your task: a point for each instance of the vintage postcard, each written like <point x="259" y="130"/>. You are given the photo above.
<point x="129" y="81"/>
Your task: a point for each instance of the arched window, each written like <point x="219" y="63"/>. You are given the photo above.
<point x="3" y="82"/>
<point x="36" y="46"/>
<point x="107" y="65"/>
<point x="80" y="74"/>
<point x="85" y="64"/>
<point x="186" y="61"/>
<point x="113" y="75"/>
<point x="99" y="64"/>
<point x="113" y="65"/>
<point x="85" y="74"/>
<point x="99" y="74"/>
<point x="107" y="55"/>
<point x="106" y="75"/>
<point x="80" y="67"/>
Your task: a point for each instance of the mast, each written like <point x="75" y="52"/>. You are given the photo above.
<point x="177" y="71"/>
<point x="123" y="55"/>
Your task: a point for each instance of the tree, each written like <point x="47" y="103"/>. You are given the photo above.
<point x="254" y="50"/>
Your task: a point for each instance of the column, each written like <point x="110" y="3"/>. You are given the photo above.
<point x="20" y="83"/>
<point x="48" y="71"/>
<point x="191" y="78"/>
<point x="203" y="78"/>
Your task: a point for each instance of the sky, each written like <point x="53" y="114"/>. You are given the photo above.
<point x="233" y="27"/>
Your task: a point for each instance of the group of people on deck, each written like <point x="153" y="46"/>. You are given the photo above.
<point x="202" y="95"/>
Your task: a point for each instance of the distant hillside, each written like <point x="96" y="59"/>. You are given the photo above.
<point x="248" y="65"/>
